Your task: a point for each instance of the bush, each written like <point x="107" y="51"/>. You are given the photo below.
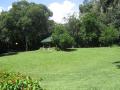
<point x="109" y="36"/>
<point x="61" y="38"/>
<point x="65" y="41"/>
<point x="12" y="81"/>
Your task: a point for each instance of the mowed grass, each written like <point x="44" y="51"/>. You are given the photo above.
<point x="82" y="69"/>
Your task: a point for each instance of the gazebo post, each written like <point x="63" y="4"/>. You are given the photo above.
<point x="43" y="46"/>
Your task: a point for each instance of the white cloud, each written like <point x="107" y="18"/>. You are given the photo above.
<point x="9" y="7"/>
<point x="61" y="10"/>
<point x="5" y="9"/>
<point x="1" y="9"/>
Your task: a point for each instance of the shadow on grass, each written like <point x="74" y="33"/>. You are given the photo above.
<point x="70" y="50"/>
<point x="117" y="64"/>
<point x="8" y="54"/>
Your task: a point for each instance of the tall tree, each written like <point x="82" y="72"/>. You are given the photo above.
<point x="27" y="22"/>
<point x="73" y="27"/>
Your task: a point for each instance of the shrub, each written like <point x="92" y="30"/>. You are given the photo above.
<point x="12" y="81"/>
<point x="65" y="41"/>
<point x="61" y="38"/>
<point x="108" y="36"/>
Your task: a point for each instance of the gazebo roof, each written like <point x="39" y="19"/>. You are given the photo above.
<point x="47" y="40"/>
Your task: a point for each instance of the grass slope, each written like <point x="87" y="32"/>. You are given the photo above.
<point x="83" y="69"/>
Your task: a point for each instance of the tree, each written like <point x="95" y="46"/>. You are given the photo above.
<point x="116" y="17"/>
<point x="90" y="30"/>
<point x="73" y="27"/>
<point x="61" y="38"/>
<point x="109" y="36"/>
<point x="108" y="4"/>
<point x="27" y="24"/>
<point x="85" y="8"/>
<point x="5" y="33"/>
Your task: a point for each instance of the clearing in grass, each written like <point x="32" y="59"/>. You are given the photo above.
<point x="78" y="69"/>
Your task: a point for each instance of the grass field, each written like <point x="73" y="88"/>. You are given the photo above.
<point x="81" y="69"/>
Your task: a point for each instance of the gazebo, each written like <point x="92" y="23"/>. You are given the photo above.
<point x="47" y="41"/>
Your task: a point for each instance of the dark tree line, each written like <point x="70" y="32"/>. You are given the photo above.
<point x="98" y="24"/>
<point x="26" y="24"/>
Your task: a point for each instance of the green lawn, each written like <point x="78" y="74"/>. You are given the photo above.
<point x="83" y="69"/>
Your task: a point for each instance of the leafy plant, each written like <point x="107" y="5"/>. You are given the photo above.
<point x="108" y="36"/>
<point x="61" y="38"/>
<point x="12" y="81"/>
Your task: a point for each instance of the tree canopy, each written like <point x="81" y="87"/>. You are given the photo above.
<point x="26" y="24"/>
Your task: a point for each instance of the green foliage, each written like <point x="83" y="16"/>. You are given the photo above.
<point x="27" y="23"/>
<point x="65" y="41"/>
<point x="85" y="8"/>
<point x="108" y="36"/>
<point x="95" y="16"/>
<point x="73" y="27"/>
<point x="116" y="17"/>
<point x="11" y="81"/>
<point x="108" y="4"/>
<point x="61" y="38"/>
<point x="90" y="30"/>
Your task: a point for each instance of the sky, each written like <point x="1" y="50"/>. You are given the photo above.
<point x="60" y="8"/>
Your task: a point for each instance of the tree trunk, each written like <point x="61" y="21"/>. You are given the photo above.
<point x="26" y="43"/>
